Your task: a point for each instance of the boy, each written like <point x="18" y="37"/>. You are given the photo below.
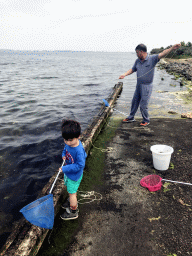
<point x="74" y="156"/>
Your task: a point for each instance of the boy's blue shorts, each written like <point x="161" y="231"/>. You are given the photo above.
<point x="72" y="186"/>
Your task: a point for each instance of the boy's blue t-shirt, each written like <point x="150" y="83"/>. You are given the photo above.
<point x="75" y="161"/>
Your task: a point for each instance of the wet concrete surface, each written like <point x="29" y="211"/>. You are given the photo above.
<point x="130" y="220"/>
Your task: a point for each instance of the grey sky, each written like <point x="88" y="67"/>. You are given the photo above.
<point x="86" y="25"/>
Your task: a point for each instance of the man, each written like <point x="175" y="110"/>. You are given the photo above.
<point x="144" y="66"/>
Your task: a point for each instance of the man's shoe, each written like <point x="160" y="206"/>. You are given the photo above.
<point x="144" y="124"/>
<point x="127" y="120"/>
<point x="69" y="214"/>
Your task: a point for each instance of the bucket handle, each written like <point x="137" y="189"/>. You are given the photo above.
<point x="56" y="177"/>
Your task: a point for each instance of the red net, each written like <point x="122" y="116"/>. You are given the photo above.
<point x="152" y="182"/>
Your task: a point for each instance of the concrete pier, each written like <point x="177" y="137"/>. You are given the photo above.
<point x="130" y="220"/>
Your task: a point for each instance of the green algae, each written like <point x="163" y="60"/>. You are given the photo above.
<point x="95" y="161"/>
<point x="162" y="113"/>
<point x="186" y="96"/>
<point x="171" y="166"/>
<point x="63" y="232"/>
<point x="165" y="187"/>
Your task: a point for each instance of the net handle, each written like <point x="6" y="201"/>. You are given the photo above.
<point x="56" y="177"/>
<point x="184" y="183"/>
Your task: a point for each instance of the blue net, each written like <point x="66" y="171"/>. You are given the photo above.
<point x="40" y="212"/>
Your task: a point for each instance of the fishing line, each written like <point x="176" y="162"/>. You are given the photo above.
<point x="88" y="195"/>
<point x="108" y="149"/>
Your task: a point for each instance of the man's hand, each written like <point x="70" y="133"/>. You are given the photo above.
<point x="176" y="46"/>
<point x="129" y="72"/>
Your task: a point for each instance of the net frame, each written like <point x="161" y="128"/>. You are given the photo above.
<point x="151" y="182"/>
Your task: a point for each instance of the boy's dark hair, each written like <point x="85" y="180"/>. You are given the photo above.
<point x="141" y="47"/>
<point x="70" y="129"/>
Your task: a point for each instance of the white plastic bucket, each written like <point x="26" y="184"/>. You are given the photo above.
<point x="161" y="156"/>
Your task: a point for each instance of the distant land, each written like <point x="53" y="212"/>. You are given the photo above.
<point x="184" y="52"/>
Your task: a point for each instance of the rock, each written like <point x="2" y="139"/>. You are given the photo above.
<point x="161" y="91"/>
<point x="187" y="115"/>
<point x="172" y="112"/>
<point x="183" y="69"/>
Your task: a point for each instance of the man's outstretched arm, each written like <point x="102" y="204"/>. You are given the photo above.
<point x="129" y="72"/>
<point x="167" y="51"/>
